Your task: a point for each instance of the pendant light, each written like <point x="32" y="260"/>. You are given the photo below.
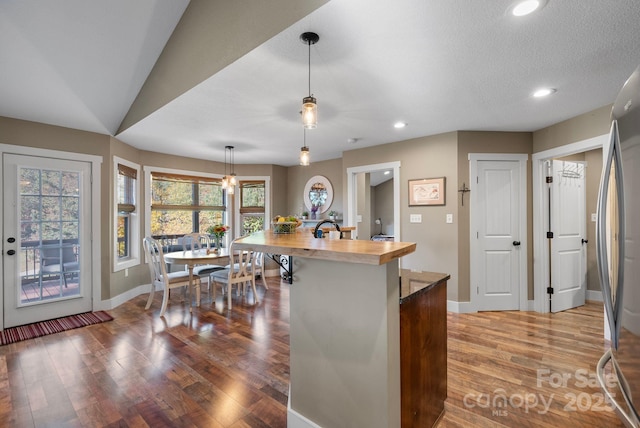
<point x="304" y="150"/>
<point x="229" y="180"/>
<point x="309" y="106"/>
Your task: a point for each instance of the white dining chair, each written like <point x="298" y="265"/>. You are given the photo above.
<point x="239" y="272"/>
<point x="197" y="242"/>
<point x="160" y="277"/>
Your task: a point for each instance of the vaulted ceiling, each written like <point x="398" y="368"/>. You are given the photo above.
<point x="190" y="77"/>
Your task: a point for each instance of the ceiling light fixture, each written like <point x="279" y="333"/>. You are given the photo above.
<point x="309" y="106"/>
<point x="229" y="180"/>
<point x="544" y="92"/>
<point x="305" y="158"/>
<point x="523" y="8"/>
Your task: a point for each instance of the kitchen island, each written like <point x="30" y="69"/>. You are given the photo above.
<point x="345" y="329"/>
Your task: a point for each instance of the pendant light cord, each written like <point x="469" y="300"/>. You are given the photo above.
<point x="309" y="44"/>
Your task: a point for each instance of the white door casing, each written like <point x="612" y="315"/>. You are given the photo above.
<point x="540" y="214"/>
<point x="568" y="224"/>
<point x="498" y="231"/>
<point x="91" y="250"/>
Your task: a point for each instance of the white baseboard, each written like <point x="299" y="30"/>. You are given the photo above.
<point x="295" y="419"/>
<point x="596" y="296"/>
<point x="467" y="307"/>
<point x="460" y="307"/>
<point x="118" y="300"/>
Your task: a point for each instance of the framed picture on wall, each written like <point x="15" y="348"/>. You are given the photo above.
<point x="426" y="191"/>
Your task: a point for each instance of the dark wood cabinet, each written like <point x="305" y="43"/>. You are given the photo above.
<point x="423" y="347"/>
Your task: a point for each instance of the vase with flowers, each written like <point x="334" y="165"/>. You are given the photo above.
<point x="314" y="210"/>
<point x="217" y="231"/>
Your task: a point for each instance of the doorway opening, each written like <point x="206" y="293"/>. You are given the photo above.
<point x="365" y="223"/>
<point x="541" y="250"/>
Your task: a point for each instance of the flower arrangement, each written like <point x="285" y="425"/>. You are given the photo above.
<point x="217" y="230"/>
<point x="333" y="213"/>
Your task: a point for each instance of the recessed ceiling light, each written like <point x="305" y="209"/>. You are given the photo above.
<point x="399" y="125"/>
<point x="526" y="7"/>
<point x="544" y="92"/>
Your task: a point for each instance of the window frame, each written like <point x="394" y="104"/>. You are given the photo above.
<point x="267" y="200"/>
<point x="134" y="218"/>
<point x="149" y="170"/>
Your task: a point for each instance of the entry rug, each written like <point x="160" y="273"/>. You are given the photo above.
<point x="43" y="328"/>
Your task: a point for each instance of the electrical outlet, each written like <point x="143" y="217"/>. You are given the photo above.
<point x="449" y="218"/>
<point x="126" y="272"/>
<point x="594" y="217"/>
<point x="358" y="218"/>
<point x="415" y="218"/>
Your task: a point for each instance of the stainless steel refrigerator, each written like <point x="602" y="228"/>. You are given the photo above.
<point x="618" y="254"/>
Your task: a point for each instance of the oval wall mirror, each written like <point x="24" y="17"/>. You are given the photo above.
<point x="318" y="192"/>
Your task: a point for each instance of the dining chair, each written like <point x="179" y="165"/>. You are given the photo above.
<point x="160" y="277"/>
<point x="196" y="242"/>
<point x="258" y="268"/>
<point x="239" y="273"/>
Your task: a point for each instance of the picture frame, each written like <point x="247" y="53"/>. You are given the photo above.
<point x="427" y="192"/>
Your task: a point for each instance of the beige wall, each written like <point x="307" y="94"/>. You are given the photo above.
<point x="594" y="171"/>
<point x="434" y="156"/>
<point x="441" y="247"/>
<point x="297" y="177"/>
<point x="579" y="128"/>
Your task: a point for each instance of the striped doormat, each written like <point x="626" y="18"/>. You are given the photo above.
<point x="30" y="331"/>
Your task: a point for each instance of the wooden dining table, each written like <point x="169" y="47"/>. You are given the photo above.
<point x="198" y="257"/>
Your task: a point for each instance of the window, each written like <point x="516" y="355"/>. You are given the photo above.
<point x="184" y="204"/>
<point x="127" y="224"/>
<point x="252" y="206"/>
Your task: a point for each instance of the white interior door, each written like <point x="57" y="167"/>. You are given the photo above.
<point x="498" y="215"/>
<point x="47" y="238"/>
<point x="568" y="245"/>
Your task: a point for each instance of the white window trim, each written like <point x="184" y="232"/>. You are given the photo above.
<point x="135" y="242"/>
<point x="148" y="170"/>
<point x="267" y="200"/>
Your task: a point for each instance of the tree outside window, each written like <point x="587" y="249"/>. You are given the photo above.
<point x="252" y="206"/>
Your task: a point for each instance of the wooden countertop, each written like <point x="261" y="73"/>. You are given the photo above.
<point x="414" y="282"/>
<point x="303" y="244"/>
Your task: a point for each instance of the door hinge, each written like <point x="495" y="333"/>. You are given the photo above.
<point x="549" y="179"/>
<point x="477" y="235"/>
<point x="549" y="290"/>
<point x="549" y="235"/>
<point x="477" y="289"/>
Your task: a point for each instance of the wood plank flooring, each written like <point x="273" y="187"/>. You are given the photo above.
<point x="216" y="368"/>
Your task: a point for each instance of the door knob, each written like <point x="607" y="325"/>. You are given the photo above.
<point x="11" y="252"/>
<point x="516" y="243"/>
<point x="584" y="241"/>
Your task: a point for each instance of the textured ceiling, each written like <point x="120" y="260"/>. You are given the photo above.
<point x="439" y="65"/>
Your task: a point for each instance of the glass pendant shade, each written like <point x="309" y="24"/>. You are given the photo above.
<point x="304" y="156"/>
<point x="231" y="190"/>
<point x="232" y="179"/>
<point x="225" y="182"/>
<point x="309" y="113"/>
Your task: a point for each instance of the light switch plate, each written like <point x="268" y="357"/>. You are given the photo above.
<point x="415" y="218"/>
<point x="449" y="218"/>
<point x="358" y="218"/>
<point x="594" y="217"/>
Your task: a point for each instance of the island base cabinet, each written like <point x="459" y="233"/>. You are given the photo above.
<point x="345" y="347"/>
<point x="423" y="356"/>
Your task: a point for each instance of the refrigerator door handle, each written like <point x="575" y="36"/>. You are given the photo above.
<point x="612" y="307"/>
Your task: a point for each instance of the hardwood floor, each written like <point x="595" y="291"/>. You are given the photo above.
<point x="215" y="368"/>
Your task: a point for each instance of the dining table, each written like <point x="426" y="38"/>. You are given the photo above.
<point x="192" y="258"/>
